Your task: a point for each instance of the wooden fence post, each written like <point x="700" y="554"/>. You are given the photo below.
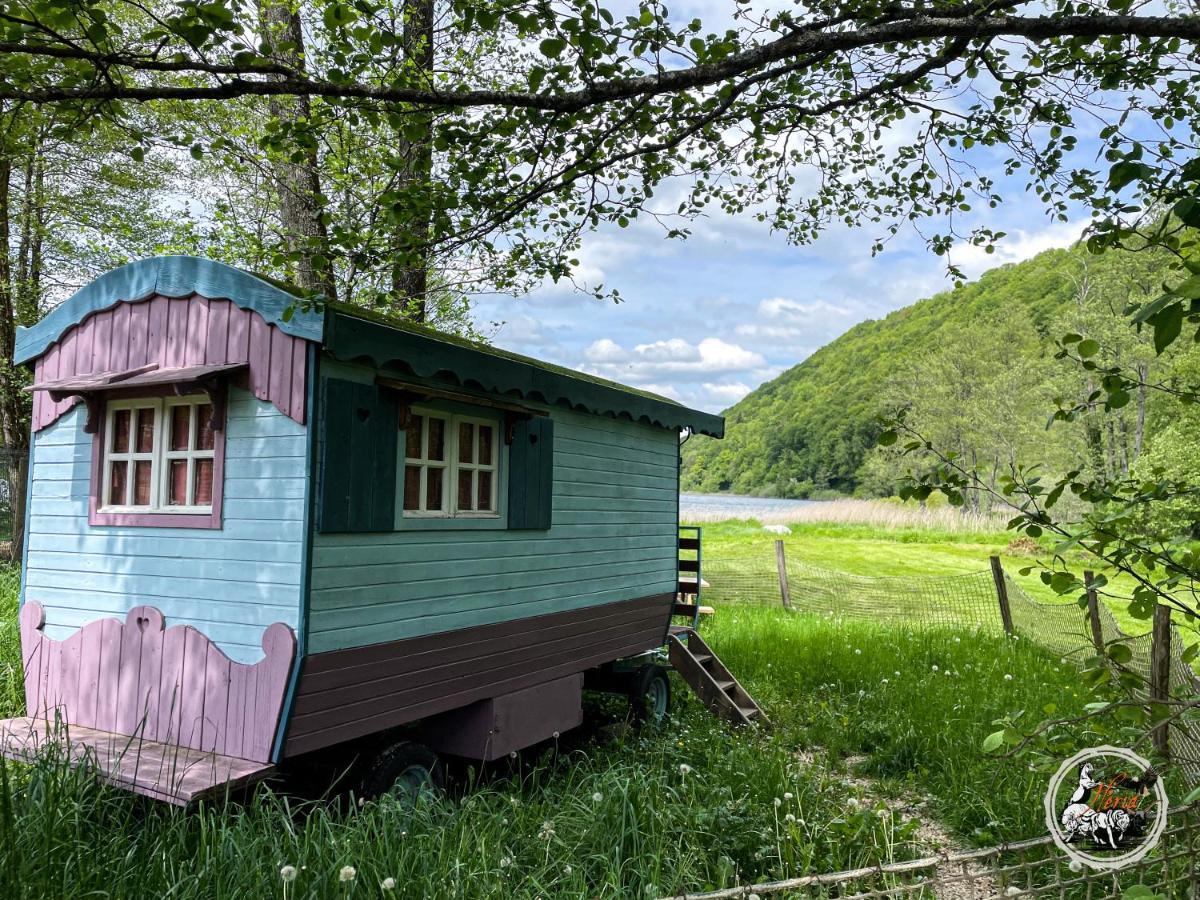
<point x="1160" y="669"/>
<point x="781" y="564"/>
<point x="1002" y="595"/>
<point x="1094" y="611"/>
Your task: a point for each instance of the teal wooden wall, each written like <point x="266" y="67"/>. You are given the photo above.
<point x="229" y="583"/>
<point x="613" y="538"/>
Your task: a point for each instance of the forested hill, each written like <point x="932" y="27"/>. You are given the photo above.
<point x="813" y="428"/>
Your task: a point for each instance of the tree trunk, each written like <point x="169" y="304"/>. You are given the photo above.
<point x="297" y="178"/>
<point x="1139" y="431"/>
<point x="14" y="421"/>
<point x="410" y="273"/>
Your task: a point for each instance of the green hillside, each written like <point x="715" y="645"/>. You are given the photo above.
<point x="812" y="429"/>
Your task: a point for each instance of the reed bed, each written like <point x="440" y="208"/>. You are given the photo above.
<point x="881" y="514"/>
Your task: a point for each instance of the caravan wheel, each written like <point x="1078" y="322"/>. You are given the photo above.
<point x="406" y="771"/>
<point x="650" y="695"/>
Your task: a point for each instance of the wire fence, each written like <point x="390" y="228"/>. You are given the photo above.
<point x="1033" y="868"/>
<point x="766" y="573"/>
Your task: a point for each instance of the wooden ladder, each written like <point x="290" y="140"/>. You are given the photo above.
<point x="705" y="674"/>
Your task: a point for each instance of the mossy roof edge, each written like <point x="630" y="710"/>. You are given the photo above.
<point x="353" y="333"/>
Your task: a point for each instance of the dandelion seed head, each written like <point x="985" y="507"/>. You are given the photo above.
<point x="778" y="802"/>
<point x="685" y="769"/>
<point x="288" y="874"/>
<point x="597" y="797"/>
<point x="505" y="862"/>
<point x="935" y="668"/>
<point x="388" y="884"/>
<point x="1008" y="678"/>
<point x="788" y="795"/>
<point x="789" y="818"/>
<point x="347" y="873"/>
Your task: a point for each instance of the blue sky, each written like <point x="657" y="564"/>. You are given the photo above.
<point x="708" y="319"/>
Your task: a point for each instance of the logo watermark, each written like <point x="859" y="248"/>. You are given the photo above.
<point x="1106" y="807"/>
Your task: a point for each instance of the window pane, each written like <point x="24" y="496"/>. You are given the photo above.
<point x="485" y="445"/>
<point x="204" y="426"/>
<point x="464" y="490"/>
<point x="412" y="487"/>
<point x="466" y="444"/>
<point x="412" y="437"/>
<point x="204" y="482"/>
<point x="116" y="490"/>
<point x="434" y="479"/>
<point x="120" y="443"/>
<point x="141" y="482"/>
<point x="180" y="422"/>
<point x="145" y="431"/>
<point x="437" y="439"/>
<point x="177" y="483"/>
<point x="485" y="492"/>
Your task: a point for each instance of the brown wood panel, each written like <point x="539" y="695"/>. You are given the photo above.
<point x="424" y="654"/>
<point x="488" y="657"/>
<point x="345" y="694"/>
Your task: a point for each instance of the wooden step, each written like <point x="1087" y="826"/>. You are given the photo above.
<point x="707" y="676"/>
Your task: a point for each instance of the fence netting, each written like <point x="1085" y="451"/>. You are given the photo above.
<point x="761" y="573"/>
<point x="1035" y="868"/>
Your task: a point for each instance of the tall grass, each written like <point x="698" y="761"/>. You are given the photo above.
<point x="881" y="514"/>
<point x="607" y="813"/>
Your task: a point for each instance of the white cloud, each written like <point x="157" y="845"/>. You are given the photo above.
<point x="674" y="359"/>
<point x="604" y="351"/>
<point x="1016" y="246"/>
<point x="725" y="394"/>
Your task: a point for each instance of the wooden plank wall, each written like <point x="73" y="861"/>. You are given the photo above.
<point x="613" y="538"/>
<point x="230" y="583"/>
<point x="172" y="686"/>
<point x="174" y="333"/>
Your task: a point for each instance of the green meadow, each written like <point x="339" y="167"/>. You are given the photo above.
<point x="864" y="719"/>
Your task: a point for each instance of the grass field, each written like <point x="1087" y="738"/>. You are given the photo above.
<point x="900" y="550"/>
<point x="606" y="812"/>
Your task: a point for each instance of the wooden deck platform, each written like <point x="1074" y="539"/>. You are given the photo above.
<point x="167" y="772"/>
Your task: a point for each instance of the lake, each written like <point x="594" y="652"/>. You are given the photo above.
<point x="708" y="507"/>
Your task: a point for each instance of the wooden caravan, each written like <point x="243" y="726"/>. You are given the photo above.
<point x="259" y="528"/>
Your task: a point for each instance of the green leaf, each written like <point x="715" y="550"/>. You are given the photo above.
<point x="552" y="47"/>
<point x="992" y="742"/>
<point x="1120" y="653"/>
<point x="1167" y="325"/>
<point x="1126" y="172"/>
<point x="1192" y="797"/>
<point x="887" y="438"/>
<point x="1088" y="348"/>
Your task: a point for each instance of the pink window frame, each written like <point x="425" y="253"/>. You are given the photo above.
<point x="211" y="520"/>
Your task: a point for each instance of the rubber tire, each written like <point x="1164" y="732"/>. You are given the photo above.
<point x="403" y="769"/>
<point x="650" y="695"/>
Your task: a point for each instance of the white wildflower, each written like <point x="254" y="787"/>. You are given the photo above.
<point x="288" y="874"/>
<point x="852" y="803"/>
<point x="885" y="681"/>
<point x="567" y="870"/>
<point x="347" y="873"/>
<point x="789" y="818"/>
<point x="547" y="830"/>
<point x="685" y="769"/>
<point x="857" y="652"/>
<point x="505" y="862"/>
<point x="1008" y="678"/>
<point x="388" y="884"/>
<point x="597" y="797"/>
<point x="778" y="803"/>
<point x="935" y="668"/>
<point x="788" y="795"/>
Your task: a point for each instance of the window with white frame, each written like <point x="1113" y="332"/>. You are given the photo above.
<point x="159" y="455"/>
<point x="450" y="466"/>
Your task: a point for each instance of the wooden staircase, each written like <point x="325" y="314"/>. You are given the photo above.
<point x="714" y="684"/>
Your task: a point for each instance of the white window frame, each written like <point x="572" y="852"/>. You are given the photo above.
<point x="451" y="467"/>
<point x="159" y="457"/>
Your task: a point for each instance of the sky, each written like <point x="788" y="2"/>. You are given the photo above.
<point x="706" y="320"/>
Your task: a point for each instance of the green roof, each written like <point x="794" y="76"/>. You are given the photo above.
<point x="355" y="333"/>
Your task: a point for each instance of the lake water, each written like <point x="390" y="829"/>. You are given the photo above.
<point x="733" y="506"/>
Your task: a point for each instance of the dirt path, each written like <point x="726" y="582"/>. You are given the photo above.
<point x="932" y="836"/>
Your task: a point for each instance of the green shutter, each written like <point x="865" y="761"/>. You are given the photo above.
<point x="531" y="473"/>
<point x="359" y="432"/>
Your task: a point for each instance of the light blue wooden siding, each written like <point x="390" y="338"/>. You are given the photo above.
<point x="613" y="538"/>
<point x="229" y="583"/>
